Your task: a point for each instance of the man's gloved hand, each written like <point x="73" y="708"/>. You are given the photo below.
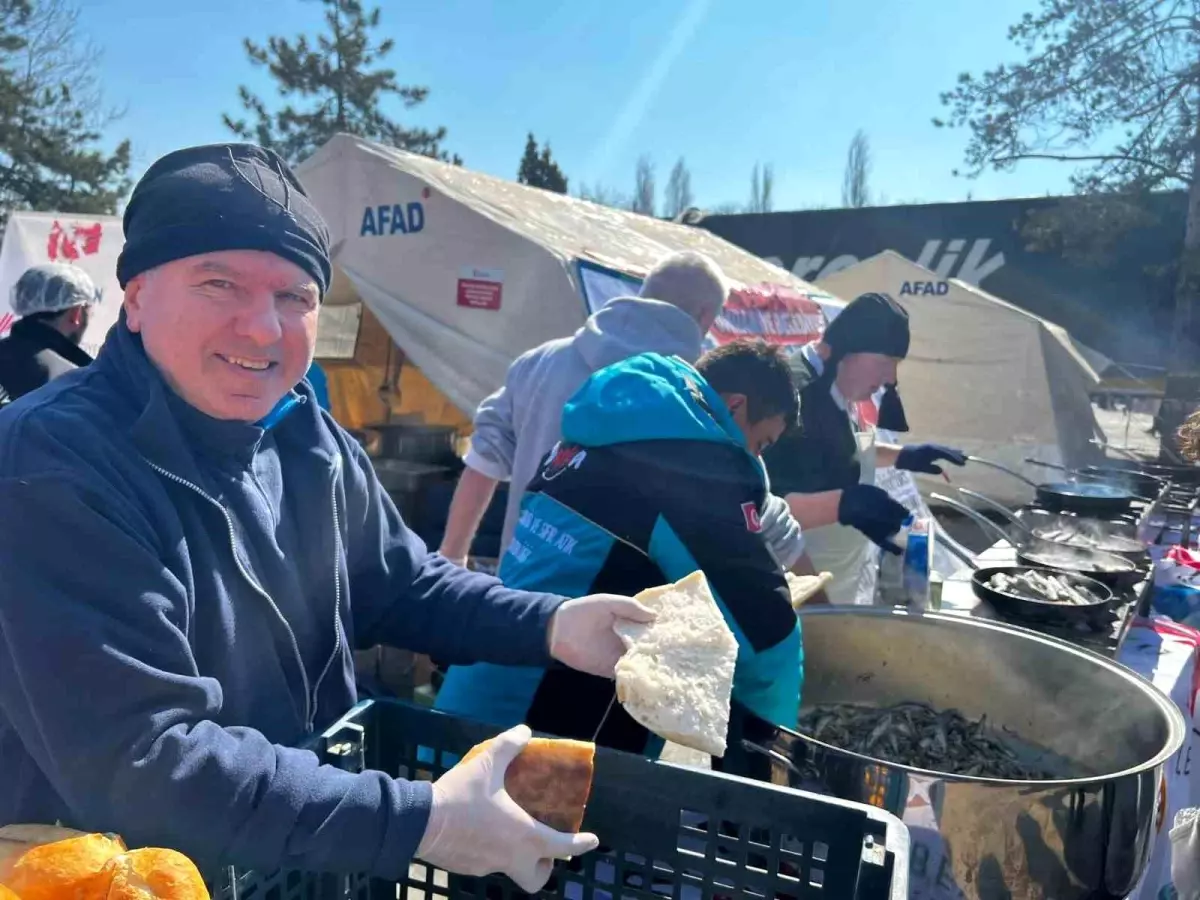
<point x="581" y="631"/>
<point x="923" y="458"/>
<point x="476" y="829"/>
<point x="873" y="512"/>
<point x="781" y="531"/>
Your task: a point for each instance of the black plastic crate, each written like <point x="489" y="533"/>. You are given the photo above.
<point x="665" y="830"/>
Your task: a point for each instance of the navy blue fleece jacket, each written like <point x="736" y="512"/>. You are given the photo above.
<point x="179" y="600"/>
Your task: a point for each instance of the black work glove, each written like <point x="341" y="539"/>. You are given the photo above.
<point x="873" y="512"/>
<point x="922" y="458"/>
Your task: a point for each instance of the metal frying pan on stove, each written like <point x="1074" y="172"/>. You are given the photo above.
<point x="1114" y="571"/>
<point x="1084" y="497"/>
<point x="1070" y="531"/>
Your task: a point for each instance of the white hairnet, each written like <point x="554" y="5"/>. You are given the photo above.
<point x="52" y="287"/>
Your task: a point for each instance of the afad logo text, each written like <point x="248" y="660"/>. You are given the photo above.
<point x="925" y="288"/>
<point x="392" y="218"/>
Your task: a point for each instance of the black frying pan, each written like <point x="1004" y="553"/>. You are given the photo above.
<point x="1084" y="497"/>
<point x="1140" y="483"/>
<point x="1045" y="611"/>
<point x="1016" y="606"/>
<point x="1114" y="571"/>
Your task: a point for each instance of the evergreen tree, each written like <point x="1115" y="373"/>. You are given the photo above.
<point x="343" y="90"/>
<point x="538" y="168"/>
<point x="52" y="116"/>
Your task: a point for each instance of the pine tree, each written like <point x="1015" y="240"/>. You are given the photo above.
<point x="343" y="90"/>
<point x="52" y="115"/>
<point x="538" y="168"/>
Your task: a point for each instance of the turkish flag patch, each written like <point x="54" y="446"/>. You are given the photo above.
<point x="753" y="522"/>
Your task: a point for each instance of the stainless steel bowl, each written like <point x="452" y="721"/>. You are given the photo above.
<point x="1087" y="837"/>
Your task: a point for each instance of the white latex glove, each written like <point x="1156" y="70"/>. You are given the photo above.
<point x="581" y="631"/>
<point x="476" y="829"/>
<point x="782" y="532"/>
<point x="1185" y="854"/>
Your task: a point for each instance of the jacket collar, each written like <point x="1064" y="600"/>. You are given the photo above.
<point x="814" y="361"/>
<point x="173" y="435"/>
<point x="49" y="338"/>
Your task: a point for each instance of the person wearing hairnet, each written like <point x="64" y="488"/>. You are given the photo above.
<point x="231" y="548"/>
<point x="52" y="302"/>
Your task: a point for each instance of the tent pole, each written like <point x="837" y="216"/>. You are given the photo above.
<point x="391" y="378"/>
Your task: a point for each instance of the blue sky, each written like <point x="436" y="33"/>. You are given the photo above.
<point x="724" y="83"/>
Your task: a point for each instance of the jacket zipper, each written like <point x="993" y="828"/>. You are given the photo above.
<point x="337" y="589"/>
<point x="309" y="714"/>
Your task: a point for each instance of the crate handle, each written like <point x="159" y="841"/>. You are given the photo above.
<point x="346" y="747"/>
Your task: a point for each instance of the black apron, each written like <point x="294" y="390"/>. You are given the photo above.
<point x="820" y="454"/>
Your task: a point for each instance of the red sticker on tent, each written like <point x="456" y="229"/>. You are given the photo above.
<point x="480" y="288"/>
<point x="479" y="294"/>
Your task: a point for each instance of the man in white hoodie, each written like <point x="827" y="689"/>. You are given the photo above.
<point x="517" y="425"/>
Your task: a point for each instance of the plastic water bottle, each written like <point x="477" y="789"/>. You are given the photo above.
<point x="904" y="579"/>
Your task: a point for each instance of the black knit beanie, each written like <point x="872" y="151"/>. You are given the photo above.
<point x="871" y="323"/>
<point x="222" y="197"/>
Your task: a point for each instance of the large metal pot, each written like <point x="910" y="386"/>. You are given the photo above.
<point x="1020" y="840"/>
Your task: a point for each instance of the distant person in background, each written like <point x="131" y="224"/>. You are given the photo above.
<point x="320" y="385"/>
<point x="517" y="425"/>
<point x="52" y="303"/>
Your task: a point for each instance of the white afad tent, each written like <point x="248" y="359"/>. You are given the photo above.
<point x="984" y="376"/>
<point x="466" y="271"/>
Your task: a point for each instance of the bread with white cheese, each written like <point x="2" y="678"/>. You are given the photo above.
<point x="676" y="675"/>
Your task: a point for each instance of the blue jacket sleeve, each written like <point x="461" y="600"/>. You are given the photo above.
<point x="405" y="596"/>
<point x="99" y="682"/>
<point x="710" y="496"/>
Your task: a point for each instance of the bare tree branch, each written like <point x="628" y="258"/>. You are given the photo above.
<point x="1112" y="86"/>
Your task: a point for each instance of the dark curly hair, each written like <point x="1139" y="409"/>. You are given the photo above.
<point x="757" y="370"/>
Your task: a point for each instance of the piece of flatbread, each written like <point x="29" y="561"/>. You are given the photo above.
<point x="550" y="779"/>
<point x="803" y="587"/>
<point x="676" y="675"/>
<point x="16" y="839"/>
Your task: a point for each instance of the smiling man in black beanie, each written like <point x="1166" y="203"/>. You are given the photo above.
<point x="233" y="547"/>
<point x="826" y="468"/>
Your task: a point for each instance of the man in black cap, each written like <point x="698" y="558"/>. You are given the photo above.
<point x="233" y="547"/>
<point x="826" y="468"/>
